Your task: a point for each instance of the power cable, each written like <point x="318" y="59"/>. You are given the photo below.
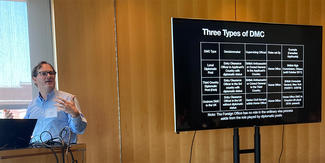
<point x="282" y="143"/>
<point x="55" y="142"/>
<point x="192" y="146"/>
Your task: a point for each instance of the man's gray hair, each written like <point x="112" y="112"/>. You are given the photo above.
<point x="39" y="66"/>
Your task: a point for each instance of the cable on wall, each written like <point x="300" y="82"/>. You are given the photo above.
<point x="282" y="143"/>
<point x="192" y="146"/>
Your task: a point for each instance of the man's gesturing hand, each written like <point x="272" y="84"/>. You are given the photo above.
<point x="67" y="106"/>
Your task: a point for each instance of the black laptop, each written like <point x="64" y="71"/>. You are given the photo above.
<point x="16" y="133"/>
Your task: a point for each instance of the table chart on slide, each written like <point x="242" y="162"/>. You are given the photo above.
<point x="251" y="76"/>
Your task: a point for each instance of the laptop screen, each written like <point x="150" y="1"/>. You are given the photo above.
<point x="16" y="133"/>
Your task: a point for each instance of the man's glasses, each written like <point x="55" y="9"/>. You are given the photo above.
<point x="44" y="73"/>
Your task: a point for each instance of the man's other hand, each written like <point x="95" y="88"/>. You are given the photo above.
<point x="8" y="114"/>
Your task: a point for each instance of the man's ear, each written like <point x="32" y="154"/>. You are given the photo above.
<point x="34" y="80"/>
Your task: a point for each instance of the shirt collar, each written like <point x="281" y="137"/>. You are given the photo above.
<point x="49" y="96"/>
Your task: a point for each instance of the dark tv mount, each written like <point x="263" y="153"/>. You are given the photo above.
<point x="256" y="150"/>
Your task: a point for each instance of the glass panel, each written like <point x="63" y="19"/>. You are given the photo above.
<point x="15" y="76"/>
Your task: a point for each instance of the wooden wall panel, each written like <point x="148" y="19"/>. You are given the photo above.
<point x="146" y="92"/>
<point x="87" y="68"/>
<point x="146" y="83"/>
<point x="302" y="143"/>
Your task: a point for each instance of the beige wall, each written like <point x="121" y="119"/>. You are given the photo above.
<point x="87" y="67"/>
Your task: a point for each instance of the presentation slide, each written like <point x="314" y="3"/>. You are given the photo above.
<point x="238" y="74"/>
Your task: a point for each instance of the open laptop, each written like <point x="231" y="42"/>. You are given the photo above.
<point x="16" y="133"/>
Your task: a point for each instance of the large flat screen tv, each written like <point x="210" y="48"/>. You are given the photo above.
<point x="230" y="74"/>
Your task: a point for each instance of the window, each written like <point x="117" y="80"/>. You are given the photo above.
<point x="15" y="80"/>
<point x="25" y="39"/>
